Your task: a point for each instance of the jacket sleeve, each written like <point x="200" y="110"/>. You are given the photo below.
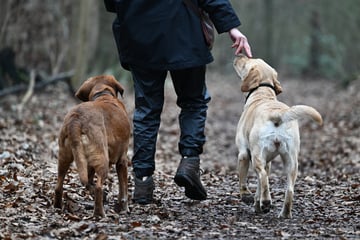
<point x="110" y="5"/>
<point x="221" y="13"/>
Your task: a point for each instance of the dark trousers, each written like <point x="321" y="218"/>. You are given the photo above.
<point x="192" y="98"/>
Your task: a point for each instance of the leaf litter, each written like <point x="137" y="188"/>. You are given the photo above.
<point x="327" y="196"/>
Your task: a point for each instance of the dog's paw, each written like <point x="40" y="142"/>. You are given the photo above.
<point x="265" y="206"/>
<point x="58" y="199"/>
<point x="285" y="214"/>
<point x="247" y="198"/>
<point x="58" y="203"/>
<point x="98" y="214"/>
<point x="257" y="207"/>
<point x="124" y="208"/>
<point x="125" y="211"/>
<point x="262" y="207"/>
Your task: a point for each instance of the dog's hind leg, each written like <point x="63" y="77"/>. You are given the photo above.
<point x="292" y="169"/>
<point x="64" y="161"/>
<point x="121" y="169"/>
<point x="268" y="168"/>
<point x="262" y="196"/>
<point x="101" y="173"/>
<point x="91" y="185"/>
<point x="243" y="167"/>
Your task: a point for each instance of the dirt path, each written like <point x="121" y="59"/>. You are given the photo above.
<point x="327" y="192"/>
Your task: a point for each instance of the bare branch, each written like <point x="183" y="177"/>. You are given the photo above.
<point x="65" y="76"/>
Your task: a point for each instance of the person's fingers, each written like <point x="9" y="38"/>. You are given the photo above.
<point x="248" y="50"/>
<point x="236" y="43"/>
<point x="241" y="44"/>
<point x="239" y="47"/>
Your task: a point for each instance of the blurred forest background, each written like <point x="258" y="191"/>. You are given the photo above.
<point x="314" y="46"/>
<point x="301" y="38"/>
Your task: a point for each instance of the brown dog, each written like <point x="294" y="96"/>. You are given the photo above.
<point x="95" y="134"/>
<point x="267" y="128"/>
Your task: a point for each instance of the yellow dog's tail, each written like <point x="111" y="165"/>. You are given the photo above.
<point x="298" y="112"/>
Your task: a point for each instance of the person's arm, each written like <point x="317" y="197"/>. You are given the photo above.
<point x="240" y="42"/>
<point x="225" y="20"/>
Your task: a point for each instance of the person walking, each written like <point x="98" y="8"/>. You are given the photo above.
<point x="154" y="38"/>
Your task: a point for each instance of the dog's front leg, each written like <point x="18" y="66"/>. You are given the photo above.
<point x="121" y="169"/>
<point x="262" y="196"/>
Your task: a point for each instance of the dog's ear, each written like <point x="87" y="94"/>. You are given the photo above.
<point x="277" y="86"/>
<point x="84" y="91"/>
<point x="118" y="87"/>
<point x="251" y="81"/>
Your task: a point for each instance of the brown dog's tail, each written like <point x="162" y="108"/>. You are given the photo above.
<point x="75" y="132"/>
<point x="298" y="112"/>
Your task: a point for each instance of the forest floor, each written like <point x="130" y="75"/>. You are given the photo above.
<point x="327" y="191"/>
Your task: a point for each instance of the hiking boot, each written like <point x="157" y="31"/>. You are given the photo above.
<point x="144" y="188"/>
<point x="188" y="176"/>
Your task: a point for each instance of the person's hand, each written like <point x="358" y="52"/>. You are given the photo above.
<point x="239" y="42"/>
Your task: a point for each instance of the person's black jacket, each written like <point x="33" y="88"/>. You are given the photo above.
<point x="166" y="34"/>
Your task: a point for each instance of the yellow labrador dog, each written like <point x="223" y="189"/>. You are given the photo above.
<point x="267" y="128"/>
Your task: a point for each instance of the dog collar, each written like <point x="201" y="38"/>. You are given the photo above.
<point x="99" y="94"/>
<point x="260" y="85"/>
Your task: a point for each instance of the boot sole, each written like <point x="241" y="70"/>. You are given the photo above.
<point x="191" y="191"/>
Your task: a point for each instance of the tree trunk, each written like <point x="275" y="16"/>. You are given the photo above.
<point x="269" y="29"/>
<point x="86" y="26"/>
<point x="315" y="46"/>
